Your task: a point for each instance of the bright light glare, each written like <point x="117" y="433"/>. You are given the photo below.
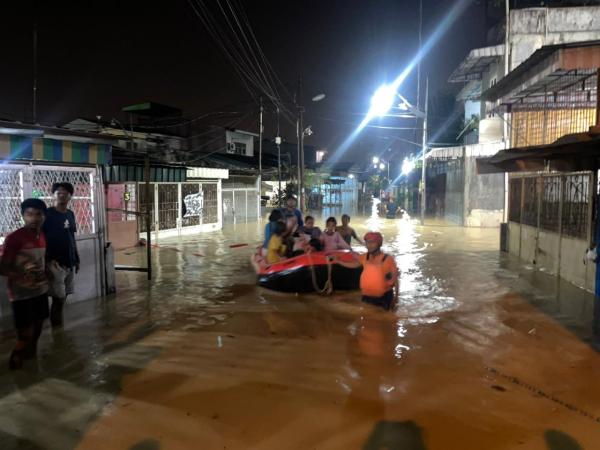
<point x="382" y="166"/>
<point x="375" y="160"/>
<point x="351" y="176"/>
<point x="457" y="9"/>
<point x="382" y="100"/>
<point x="407" y="166"/>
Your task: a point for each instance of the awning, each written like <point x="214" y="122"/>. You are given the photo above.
<point x="572" y="152"/>
<point x="476" y="63"/>
<point x="129" y="173"/>
<point x="470" y="91"/>
<point x="551" y="69"/>
<point x="18" y="147"/>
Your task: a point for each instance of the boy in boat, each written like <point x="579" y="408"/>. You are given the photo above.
<point x="309" y="228"/>
<point x="291" y="210"/>
<point x="379" y="279"/>
<point x="276" y="249"/>
<point x="347" y="232"/>
<point x="331" y="239"/>
<point x="23" y="263"/>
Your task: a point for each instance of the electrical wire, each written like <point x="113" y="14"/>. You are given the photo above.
<point x="240" y="46"/>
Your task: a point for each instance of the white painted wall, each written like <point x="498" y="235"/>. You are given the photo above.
<point x="558" y="255"/>
<point x="532" y="28"/>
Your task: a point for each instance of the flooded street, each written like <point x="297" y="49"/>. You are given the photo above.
<point x="480" y="354"/>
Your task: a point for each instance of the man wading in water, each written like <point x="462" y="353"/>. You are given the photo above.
<point x="379" y="281"/>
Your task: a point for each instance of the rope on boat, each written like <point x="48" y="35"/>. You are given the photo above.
<point x="328" y="287"/>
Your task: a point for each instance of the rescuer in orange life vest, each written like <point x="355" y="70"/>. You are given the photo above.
<point x="379" y="279"/>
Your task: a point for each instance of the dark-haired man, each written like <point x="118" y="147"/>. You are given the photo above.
<point x="22" y="261"/>
<point x="62" y="258"/>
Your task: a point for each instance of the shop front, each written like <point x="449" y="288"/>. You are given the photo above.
<point x="29" y="167"/>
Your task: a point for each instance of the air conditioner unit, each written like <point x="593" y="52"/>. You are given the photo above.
<point x="230" y="147"/>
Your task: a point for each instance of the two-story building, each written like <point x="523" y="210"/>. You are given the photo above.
<point x="475" y="197"/>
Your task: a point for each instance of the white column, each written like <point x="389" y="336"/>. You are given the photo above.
<point x="219" y="203"/>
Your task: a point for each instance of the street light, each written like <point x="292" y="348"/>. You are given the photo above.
<point x="383" y="100"/>
<point x="301" y="132"/>
<point x="407" y="166"/>
<point x="381" y="166"/>
<point x="375" y="160"/>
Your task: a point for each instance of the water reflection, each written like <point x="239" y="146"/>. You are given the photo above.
<point x="204" y="355"/>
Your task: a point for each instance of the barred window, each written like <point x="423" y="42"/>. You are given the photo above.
<point x="576" y="205"/>
<point x="188" y="189"/>
<point x="168" y="206"/>
<point x="82" y="201"/>
<point x="11" y="196"/>
<point x="211" y="203"/>
<point x="550" y="207"/>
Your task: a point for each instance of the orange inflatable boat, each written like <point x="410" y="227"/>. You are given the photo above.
<point x="309" y="272"/>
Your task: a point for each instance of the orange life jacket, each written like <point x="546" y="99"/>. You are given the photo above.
<point x="375" y="281"/>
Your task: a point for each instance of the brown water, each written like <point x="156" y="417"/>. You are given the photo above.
<point x="480" y="354"/>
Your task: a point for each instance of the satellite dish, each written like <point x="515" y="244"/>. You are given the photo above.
<point x="318" y="98"/>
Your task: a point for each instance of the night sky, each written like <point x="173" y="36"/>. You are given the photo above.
<point x="98" y="56"/>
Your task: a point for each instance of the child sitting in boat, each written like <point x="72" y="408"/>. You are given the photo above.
<point x="276" y="248"/>
<point x="347" y="232"/>
<point x="275" y="216"/>
<point x="331" y="239"/>
<point x="309" y="228"/>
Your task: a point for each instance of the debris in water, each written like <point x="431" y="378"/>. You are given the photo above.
<point x="498" y="388"/>
<point x="237" y="245"/>
<point x="532" y="331"/>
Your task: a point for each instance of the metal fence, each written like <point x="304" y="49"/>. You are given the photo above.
<point x="11" y="195"/>
<point x="557" y="203"/>
<point x="240" y="199"/>
<point x="82" y="202"/>
<point x="174" y="206"/>
<point x="18" y="182"/>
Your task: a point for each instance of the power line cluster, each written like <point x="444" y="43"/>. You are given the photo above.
<point x="229" y="27"/>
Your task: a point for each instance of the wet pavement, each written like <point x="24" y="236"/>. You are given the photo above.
<point x="481" y="353"/>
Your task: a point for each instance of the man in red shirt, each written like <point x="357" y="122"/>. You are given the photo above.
<point x="22" y="262"/>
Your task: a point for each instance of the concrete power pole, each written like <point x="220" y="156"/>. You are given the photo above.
<point x="424" y="159"/>
<point x="34" y="100"/>
<point x="260" y="139"/>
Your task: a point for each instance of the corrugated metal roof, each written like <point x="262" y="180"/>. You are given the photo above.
<point x="475" y="63"/>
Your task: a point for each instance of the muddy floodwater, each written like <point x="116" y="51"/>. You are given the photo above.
<point x="481" y="353"/>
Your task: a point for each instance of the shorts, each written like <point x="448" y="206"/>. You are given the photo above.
<point x="385" y="301"/>
<point x="27" y="312"/>
<point x="61" y="281"/>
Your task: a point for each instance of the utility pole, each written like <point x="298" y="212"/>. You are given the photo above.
<point x="505" y="128"/>
<point x="34" y="100"/>
<point x="424" y="159"/>
<point x="278" y="143"/>
<point x="260" y="139"/>
<point x="148" y="205"/>
<point x="300" y="159"/>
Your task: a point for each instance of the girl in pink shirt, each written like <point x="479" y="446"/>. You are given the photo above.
<point x="331" y="239"/>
